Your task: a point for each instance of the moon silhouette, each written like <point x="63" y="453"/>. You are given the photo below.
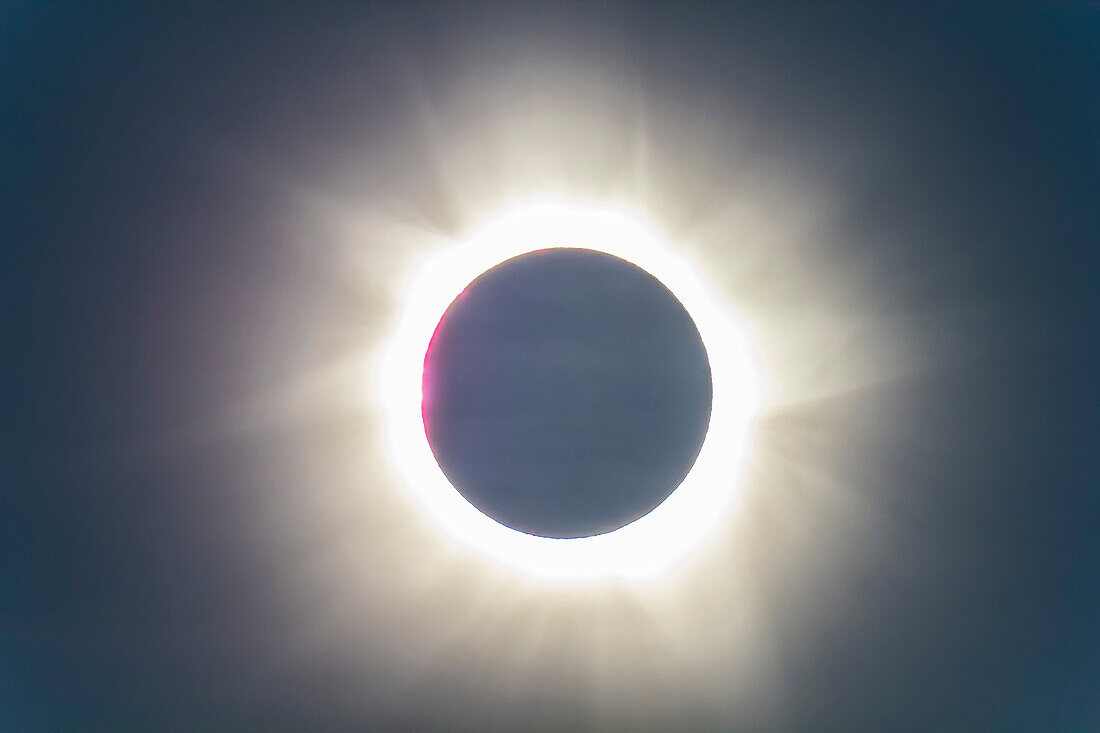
<point x="566" y="393"/>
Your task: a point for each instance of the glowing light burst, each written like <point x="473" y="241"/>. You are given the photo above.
<point x="648" y="547"/>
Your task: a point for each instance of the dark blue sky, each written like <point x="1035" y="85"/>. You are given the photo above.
<point x="153" y="276"/>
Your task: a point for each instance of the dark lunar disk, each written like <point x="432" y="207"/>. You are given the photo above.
<point x="566" y="393"/>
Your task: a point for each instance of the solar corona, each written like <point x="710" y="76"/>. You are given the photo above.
<point x="623" y="346"/>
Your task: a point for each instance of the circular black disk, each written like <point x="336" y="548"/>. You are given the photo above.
<point x="566" y="393"/>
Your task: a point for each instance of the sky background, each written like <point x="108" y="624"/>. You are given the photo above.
<point x="207" y="215"/>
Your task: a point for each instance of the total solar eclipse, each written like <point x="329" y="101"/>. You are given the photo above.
<point x="566" y="393"/>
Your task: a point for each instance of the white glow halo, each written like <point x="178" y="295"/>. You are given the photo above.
<point x="649" y="546"/>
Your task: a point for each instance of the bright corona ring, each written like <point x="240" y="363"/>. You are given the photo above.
<point x="657" y="542"/>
